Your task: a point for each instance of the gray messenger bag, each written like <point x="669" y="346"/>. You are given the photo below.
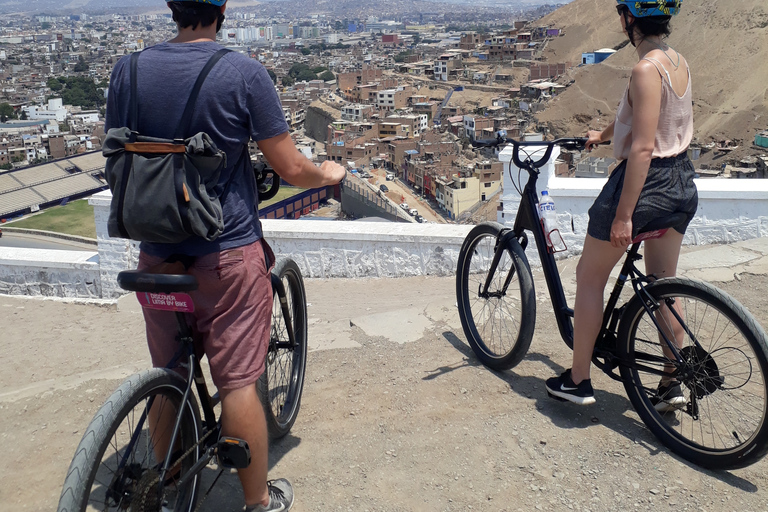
<point x="164" y="190"/>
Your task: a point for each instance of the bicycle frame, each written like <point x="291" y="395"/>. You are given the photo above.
<point x="528" y="219"/>
<point x="207" y="402"/>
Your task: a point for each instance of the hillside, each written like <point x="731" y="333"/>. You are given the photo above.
<point x="724" y="43"/>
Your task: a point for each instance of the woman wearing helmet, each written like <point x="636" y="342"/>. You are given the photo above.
<point x="651" y="133"/>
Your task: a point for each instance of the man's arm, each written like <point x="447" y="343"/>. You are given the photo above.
<point x="295" y="168"/>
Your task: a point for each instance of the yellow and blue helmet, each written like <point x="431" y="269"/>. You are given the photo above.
<point x="218" y="3"/>
<point x="640" y="9"/>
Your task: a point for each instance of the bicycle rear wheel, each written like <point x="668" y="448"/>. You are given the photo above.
<point x="498" y="323"/>
<point x="117" y="464"/>
<point x="281" y="385"/>
<point x="720" y="420"/>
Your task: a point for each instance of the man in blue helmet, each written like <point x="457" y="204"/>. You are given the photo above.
<point x="233" y="303"/>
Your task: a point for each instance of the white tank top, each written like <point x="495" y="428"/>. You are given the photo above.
<point x="675" y="129"/>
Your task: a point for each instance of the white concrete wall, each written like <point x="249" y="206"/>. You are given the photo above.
<point x="730" y="210"/>
<point x="41" y="272"/>
<point x="322" y="249"/>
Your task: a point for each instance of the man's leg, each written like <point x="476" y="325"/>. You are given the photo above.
<point x="242" y="416"/>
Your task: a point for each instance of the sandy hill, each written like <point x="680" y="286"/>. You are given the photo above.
<point x="724" y="43"/>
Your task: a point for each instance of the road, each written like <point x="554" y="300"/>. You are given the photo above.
<point x="398" y="190"/>
<point x="42" y="242"/>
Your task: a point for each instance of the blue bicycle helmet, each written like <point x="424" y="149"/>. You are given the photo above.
<point x="218" y="3"/>
<point x="651" y="7"/>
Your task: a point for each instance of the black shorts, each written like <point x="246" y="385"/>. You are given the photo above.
<point x="668" y="188"/>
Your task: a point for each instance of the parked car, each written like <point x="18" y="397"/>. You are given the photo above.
<point x="404" y="206"/>
<point x="383" y="188"/>
<point x="390" y="176"/>
<point x="413" y="211"/>
<point x="419" y="218"/>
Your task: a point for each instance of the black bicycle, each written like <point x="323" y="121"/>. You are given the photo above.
<point x="672" y="328"/>
<point x="146" y="446"/>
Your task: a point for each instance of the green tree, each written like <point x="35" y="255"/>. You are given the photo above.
<point x="45" y="25"/>
<point x="23" y="116"/>
<point x="6" y="112"/>
<point x="272" y="75"/>
<point x="81" y="65"/>
<point x="55" y="85"/>
<point x="288" y="81"/>
<point x="319" y="69"/>
<point x="297" y="68"/>
<point x="306" y="75"/>
<point x="306" y="51"/>
<point x="327" y="76"/>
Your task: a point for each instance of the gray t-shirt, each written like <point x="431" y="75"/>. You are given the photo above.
<point x="237" y="102"/>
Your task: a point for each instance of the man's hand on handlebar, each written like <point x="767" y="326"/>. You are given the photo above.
<point x="334" y="172"/>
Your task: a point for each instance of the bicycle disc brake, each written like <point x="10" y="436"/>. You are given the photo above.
<point x="704" y="377"/>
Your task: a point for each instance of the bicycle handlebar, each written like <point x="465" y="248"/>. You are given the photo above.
<point x="573" y="143"/>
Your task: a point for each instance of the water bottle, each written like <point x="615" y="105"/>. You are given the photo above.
<point x="548" y="215"/>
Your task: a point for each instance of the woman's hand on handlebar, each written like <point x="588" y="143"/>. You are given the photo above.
<point x="334" y="172"/>
<point x="594" y="137"/>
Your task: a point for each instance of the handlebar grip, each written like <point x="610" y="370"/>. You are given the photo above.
<point x="485" y="143"/>
<point x="262" y="172"/>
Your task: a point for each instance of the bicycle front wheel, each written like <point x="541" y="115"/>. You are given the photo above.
<point x="281" y="385"/>
<point x="117" y="464"/>
<point x="498" y="321"/>
<point x="717" y="416"/>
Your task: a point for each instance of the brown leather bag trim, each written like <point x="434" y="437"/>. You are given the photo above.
<point x="154" y="147"/>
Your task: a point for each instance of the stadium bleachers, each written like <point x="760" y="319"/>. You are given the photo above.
<point x="19" y="200"/>
<point x="42" y="185"/>
<point x="89" y="161"/>
<point x="66" y="187"/>
<point x="8" y="182"/>
<point x="39" y="174"/>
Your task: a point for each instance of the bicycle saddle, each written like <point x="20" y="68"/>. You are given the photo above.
<point x="135" y="281"/>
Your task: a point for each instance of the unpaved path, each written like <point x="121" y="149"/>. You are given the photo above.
<point x="386" y="424"/>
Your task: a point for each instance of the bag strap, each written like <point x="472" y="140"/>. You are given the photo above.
<point x="186" y="118"/>
<point x="133" y="113"/>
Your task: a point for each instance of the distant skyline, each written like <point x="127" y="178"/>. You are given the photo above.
<point x="56" y="7"/>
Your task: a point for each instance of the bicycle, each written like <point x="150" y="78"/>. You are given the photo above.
<point x="122" y="463"/>
<point x="721" y="362"/>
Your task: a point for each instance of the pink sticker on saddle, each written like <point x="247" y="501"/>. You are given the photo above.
<point x="166" y="301"/>
<point x="650" y="235"/>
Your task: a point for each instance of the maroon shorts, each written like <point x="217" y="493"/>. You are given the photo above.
<point x="233" y="311"/>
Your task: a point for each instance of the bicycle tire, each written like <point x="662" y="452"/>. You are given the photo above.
<point x="720" y="422"/>
<point x="281" y="385"/>
<point x="85" y="482"/>
<point x="498" y="328"/>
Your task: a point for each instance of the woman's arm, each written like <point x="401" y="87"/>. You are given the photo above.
<point x="645" y="98"/>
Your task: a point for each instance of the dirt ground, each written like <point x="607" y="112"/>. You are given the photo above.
<point x="384" y="425"/>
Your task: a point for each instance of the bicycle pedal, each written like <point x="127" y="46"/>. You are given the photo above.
<point x="559" y="399"/>
<point x="233" y="453"/>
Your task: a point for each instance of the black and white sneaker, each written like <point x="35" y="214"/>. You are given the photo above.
<point x="280" y="497"/>
<point x="563" y="387"/>
<point x="668" y="397"/>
